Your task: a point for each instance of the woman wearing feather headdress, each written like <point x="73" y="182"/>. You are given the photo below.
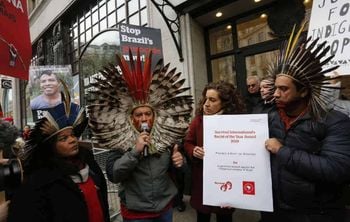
<point x="217" y="99"/>
<point x="309" y="144"/>
<point x="139" y="115"/>
<point x="62" y="182"/>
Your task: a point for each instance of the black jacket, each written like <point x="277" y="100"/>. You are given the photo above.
<point x="251" y="100"/>
<point x="262" y="107"/>
<point x="310" y="170"/>
<point x="47" y="196"/>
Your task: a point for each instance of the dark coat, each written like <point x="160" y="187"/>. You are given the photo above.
<point x="48" y="195"/>
<point x="263" y="107"/>
<point x="251" y="100"/>
<point x="195" y="138"/>
<point x="310" y="170"/>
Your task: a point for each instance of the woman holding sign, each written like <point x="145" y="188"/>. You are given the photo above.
<point x="217" y="98"/>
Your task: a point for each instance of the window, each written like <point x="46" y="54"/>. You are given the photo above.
<point x="253" y="31"/>
<point x="224" y="69"/>
<point x="99" y="53"/>
<point x="243" y="46"/>
<point x="257" y="64"/>
<point x="105" y="14"/>
<point x="220" y="39"/>
<point x="78" y="28"/>
<point x="133" y="6"/>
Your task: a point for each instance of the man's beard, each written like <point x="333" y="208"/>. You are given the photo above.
<point x="290" y="106"/>
<point x="280" y="105"/>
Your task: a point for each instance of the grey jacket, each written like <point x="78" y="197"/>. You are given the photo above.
<point x="145" y="181"/>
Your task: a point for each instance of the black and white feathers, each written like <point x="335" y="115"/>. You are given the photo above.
<point x="118" y="91"/>
<point x="303" y="60"/>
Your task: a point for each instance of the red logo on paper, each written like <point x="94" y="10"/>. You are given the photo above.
<point x="249" y="187"/>
<point x="225" y="186"/>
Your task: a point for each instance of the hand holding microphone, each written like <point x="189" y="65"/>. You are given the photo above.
<point x="145" y="129"/>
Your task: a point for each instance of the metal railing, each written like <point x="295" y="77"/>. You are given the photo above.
<point x="113" y="199"/>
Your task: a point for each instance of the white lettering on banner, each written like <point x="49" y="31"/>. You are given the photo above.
<point x="40" y="114"/>
<point x="129" y="30"/>
<point x="142" y="40"/>
<point x="17" y="4"/>
<point x="142" y="58"/>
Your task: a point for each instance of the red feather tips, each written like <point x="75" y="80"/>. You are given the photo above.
<point x="137" y="80"/>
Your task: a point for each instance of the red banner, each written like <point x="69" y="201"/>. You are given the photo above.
<point x="15" y="45"/>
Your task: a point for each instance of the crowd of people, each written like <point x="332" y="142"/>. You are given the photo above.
<point x="153" y="137"/>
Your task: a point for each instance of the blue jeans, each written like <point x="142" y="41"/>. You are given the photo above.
<point x="167" y="216"/>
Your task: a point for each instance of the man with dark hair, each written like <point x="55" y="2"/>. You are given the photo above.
<point x="142" y="123"/>
<point x="50" y="88"/>
<point x="309" y="144"/>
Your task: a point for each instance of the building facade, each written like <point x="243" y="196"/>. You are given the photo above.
<point x="203" y="46"/>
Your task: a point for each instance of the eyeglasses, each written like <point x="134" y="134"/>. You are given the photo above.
<point x="252" y="85"/>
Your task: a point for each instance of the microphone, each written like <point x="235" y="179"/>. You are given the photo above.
<point x="145" y="128"/>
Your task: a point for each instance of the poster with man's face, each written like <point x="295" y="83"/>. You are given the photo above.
<point x="44" y="88"/>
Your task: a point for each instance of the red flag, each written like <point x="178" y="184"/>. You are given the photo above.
<point x="15" y="45"/>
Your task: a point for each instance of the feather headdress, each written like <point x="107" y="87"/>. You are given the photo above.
<point x="303" y="60"/>
<point x="122" y="88"/>
<point x="56" y="119"/>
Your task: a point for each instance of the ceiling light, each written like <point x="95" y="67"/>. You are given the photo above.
<point x="218" y="14"/>
<point x="257" y="0"/>
<point x="229" y="27"/>
<point x="263" y="15"/>
<point x="306" y="1"/>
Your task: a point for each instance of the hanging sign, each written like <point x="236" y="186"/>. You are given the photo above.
<point x="6" y="84"/>
<point x="144" y="38"/>
<point x="15" y="45"/>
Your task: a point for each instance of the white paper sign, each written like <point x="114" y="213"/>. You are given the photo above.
<point x="330" y="21"/>
<point x="236" y="164"/>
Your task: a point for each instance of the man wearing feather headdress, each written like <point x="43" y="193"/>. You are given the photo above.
<point x="139" y="115"/>
<point x="309" y="144"/>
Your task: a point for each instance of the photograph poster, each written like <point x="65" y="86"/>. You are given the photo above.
<point x="236" y="164"/>
<point x="44" y="88"/>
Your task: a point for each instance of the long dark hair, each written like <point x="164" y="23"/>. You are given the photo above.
<point x="231" y="99"/>
<point x="8" y="135"/>
<point x="45" y="156"/>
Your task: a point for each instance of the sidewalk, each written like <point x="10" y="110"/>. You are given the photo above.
<point x="189" y="215"/>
